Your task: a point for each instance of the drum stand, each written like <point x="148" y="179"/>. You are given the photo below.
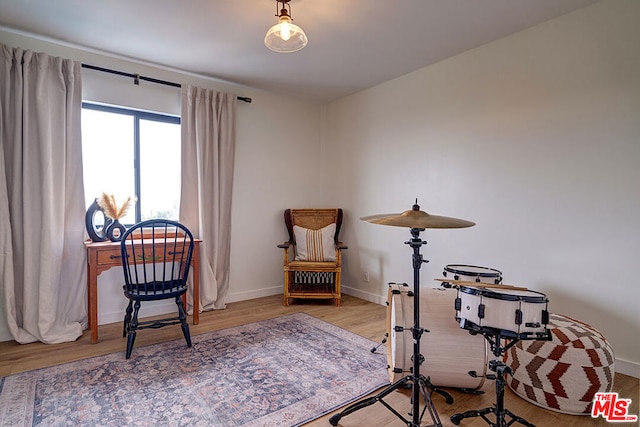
<point x="494" y="337"/>
<point x="419" y="383"/>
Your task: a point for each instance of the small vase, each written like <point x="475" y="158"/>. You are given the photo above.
<point x="115" y="230"/>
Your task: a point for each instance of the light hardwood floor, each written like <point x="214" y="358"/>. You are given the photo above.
<point x="361" y="317"/>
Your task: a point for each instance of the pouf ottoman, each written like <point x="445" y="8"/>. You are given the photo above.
<point x="563" y="374"/>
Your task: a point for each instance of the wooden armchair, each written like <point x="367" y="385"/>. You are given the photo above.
<point x="313" y="254"/>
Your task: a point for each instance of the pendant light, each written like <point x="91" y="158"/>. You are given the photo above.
<point x="285" y="36"/>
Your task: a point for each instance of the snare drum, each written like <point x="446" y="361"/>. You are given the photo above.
<point x="449" y="351"/>
<point x="520" y="312"/>
<point x="472" y="273"/>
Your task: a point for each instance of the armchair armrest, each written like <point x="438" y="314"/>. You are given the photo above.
<point x="288" y="254"/>
<point x="341" y="246"/>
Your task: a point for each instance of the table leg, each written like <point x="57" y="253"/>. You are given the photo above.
<point x="92" y="293"/>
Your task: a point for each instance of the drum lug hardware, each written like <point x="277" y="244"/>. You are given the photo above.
<point x="518" y="319"/>
<point x="545" y="317"/>
<point x="474" y="374"/>
<point x="457" y="305"/>
<point x="481" y="311"/>
<point x="533" y="325"/>
<point x="420" y="359"/>
<point x="398" y="329"/>
<point x="417" y="332"/>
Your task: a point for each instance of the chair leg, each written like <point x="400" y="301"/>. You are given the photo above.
<point x="127" y="318"/>
<point x="133" y="325"/>
<point x="182" y="315"/>
<point x="286" y="287"/>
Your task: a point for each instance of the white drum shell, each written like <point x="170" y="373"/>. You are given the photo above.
<point x="449" y="351"/>
<point x="500" y="311"/>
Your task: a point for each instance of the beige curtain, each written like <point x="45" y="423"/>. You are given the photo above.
<point x="42" y="277"/>
<point x="208" y="151"/>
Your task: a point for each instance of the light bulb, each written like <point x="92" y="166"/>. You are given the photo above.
<point x="285" y="28"/>
<point x="285" y="31"/>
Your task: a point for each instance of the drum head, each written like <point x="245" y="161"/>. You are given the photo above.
<point x="472" y="273"/>
<point x="505" y="294"/>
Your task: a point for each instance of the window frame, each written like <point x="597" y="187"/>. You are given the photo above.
<point x="137" y="115"/>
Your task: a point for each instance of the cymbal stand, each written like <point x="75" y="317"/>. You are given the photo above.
<point x="494" y="338"/>
<point x="419" y="383"/>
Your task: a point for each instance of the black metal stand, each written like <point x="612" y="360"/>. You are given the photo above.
<point x="494" y="337"/>
<point x="420" y="385"/>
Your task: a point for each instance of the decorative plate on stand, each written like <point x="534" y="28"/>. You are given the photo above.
<point x="97" y="222"/>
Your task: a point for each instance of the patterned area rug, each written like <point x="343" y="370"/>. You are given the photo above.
<point x="279" y="372"/>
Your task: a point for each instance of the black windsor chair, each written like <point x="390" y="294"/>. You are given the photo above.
<point x="156" y="256"/>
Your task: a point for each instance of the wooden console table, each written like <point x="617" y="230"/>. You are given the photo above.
<point x="101" y="256"/>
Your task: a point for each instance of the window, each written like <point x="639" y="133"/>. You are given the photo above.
<point x="132" y="153"/>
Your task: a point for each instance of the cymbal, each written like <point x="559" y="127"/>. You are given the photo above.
<point x="415" y="218"/>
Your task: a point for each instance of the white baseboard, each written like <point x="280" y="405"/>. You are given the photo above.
<point x="275" y="290"/>
<point x="628" y="368"/>
<point x="259" y="293"/>
<point x="367" y="296"/>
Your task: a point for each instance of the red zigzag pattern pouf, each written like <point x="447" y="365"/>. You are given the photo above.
<point x="563" y="374"/>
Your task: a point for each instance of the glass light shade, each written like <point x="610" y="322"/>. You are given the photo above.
<point x="285" y="37"/>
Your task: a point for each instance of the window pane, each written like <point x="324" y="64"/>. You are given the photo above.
<point x="159" y="170"/>
<point x="107" y="156"/>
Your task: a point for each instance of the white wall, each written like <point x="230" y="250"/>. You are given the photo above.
<point x="536" y="138"/>
<point x="270" y="173"/>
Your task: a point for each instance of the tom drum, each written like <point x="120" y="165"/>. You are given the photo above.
<point x="449" y="351"/>
<point x="522" y="312"/>
<point x="472" y="273"/>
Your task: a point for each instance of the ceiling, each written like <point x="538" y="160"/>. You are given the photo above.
<point x="353" y="44"/>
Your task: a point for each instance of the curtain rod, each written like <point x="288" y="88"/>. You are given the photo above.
<point x="137" y="77"/>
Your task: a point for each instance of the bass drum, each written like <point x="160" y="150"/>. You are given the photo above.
<point x="449" y="351"/>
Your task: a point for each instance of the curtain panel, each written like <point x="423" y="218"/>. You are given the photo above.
<point x="208" y="123"/>
<point x="42" y="274"/>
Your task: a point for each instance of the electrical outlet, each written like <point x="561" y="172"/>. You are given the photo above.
<point x="365" y="276"/>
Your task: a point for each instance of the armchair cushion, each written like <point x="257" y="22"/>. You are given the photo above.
<point x="315" y="245"/>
